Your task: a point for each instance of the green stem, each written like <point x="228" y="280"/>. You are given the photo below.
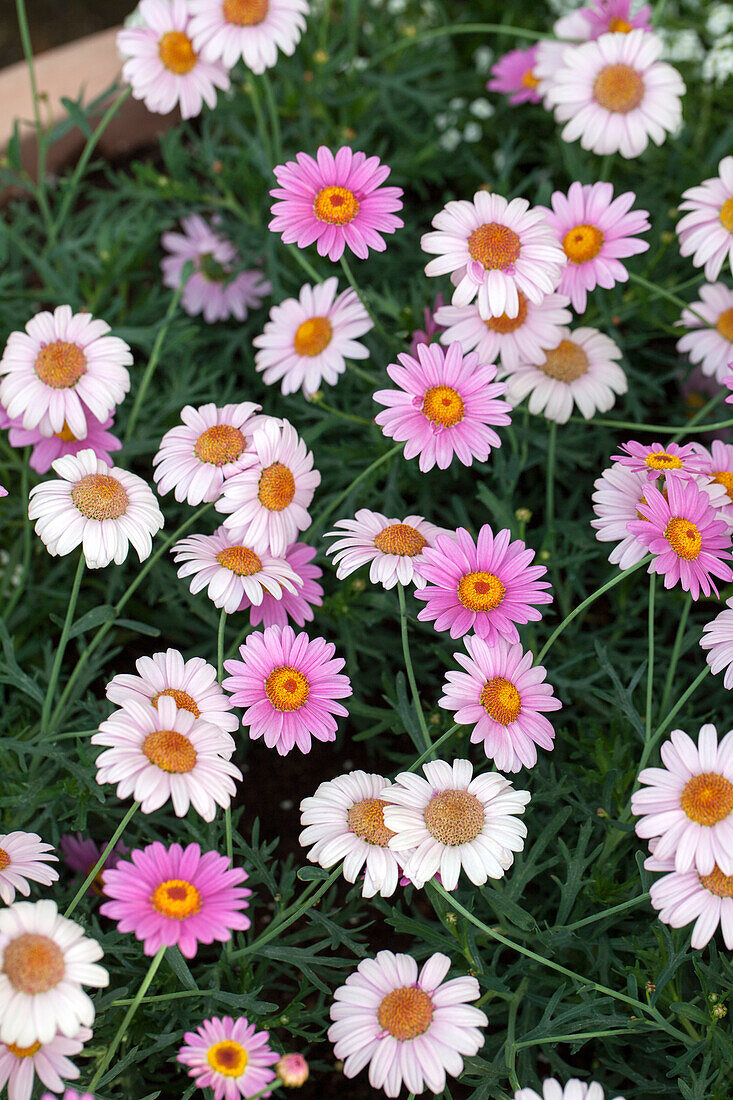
<point x="102" y="859"/>
<point x="578" y="1035"/>
<point x="157" y="348"/>
<point x="510" y="1045"/>
<point x="25" y="38"/>
<point x="284" y="922"/>
<point x="649" y="747"/>
<point x="662" y="292"/>
<point x="699" y="415"/>
<point x="675" y="654"/>
<point x="460" y="28"/>
<point x="27" y="542"/>
<point x="254" y="95"/>
<point x="433" y="747"/>
<point x="410" y="671"/>
<point x="620" y="908"/>
<point x="379" y="327"/>
<point x="220" y="677"/>
<point x="274" y="120"/>
<point x="310" y="271"/>
<point x="343" y="415"/>
<point x="60" y="649"/>
<point x="357" y="480"/>
<point x="650" y="658"/>
<point x="658" y="429"/>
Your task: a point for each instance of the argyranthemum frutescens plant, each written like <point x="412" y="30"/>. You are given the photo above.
<point x="361" y="770"/>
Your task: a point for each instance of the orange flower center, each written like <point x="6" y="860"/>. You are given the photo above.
<point x="313" y="336"/>
<point x="443" y="405"/>
<point x="33" y="964"/>
<point x="176" y="52"/>
<point x="707" y="798"/>
<point x="287" y="689"/>
<point x="24" y="1052"/>
<point x="481" y="591"/>
<point x="402" y="539"/>
<point x="494" y="245"/>
<point x="405" y="1013"/>
<point x="170" y="751"/>
<point x="182" y="699"/>
<point x="619" y="26"/>
<point x="582" y="243"/>
<point x="501" y="700"/>
<point x="100" y="497"/>
<point x="228" y="1058"/>
<point x="5" y="860"/>
<point x="276" y="488"/>
<point x="245" y="13"/>
<point x="618" y="88"/>
<point x="724" y="325"/>
<point x="220" y="444"/>
<point x="176" y="898"/>
<point x="684" y="538"/>
<point x="529" y="80"/>
<point x="366" y="819"/>
<point x="454" y="817"/>
<point x="66" y="434"/>
<point x="240" y="560"/>
<point x="336" y="205"/>
<point x="565" y="363"/>
<point x="662" y="460"/>
<point x="60" y="365"/>
<point x="725" y="478"/>
<point x="717" y="883"/>
<point x="503" y="324"/>
<point x="726" y="214"/>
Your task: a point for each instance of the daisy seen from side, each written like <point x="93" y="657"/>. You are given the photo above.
<point x="49" y="1062"/>
<point x="392" y="547"/>
<point x="655" y="460"/>
<point x="230" y="1057"/>
<point x="717" y="639"/>
<point x="709" y="340"/>
<point x="294" y="606"/>
<point x="574" y="1089"/>
<point x="253" y="30"/>
<point x="705" y="230"/>
<point x="603" y="17"/>
<point x="618" y="493"/>
<point x="81" y="854"/>
<point x="24" y="858"/>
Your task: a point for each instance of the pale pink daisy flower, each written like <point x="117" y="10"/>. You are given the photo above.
<point x="344" y="820"/>
<point x="192" y="686"/>
<point x="581" y="372"/>
<point x="394" y="547"/>
<point x="225" y="30"/>
<point x="445" y="406"/>
<point x="232" y="571"/>
<point x="45" y="960"/>
<point x="453" y="820"/>
<point x="549" y="60"/>
<point x="309" y="338"/>
<point x="603" y="17"/>
<point x="162" y="67"/>
<point x="216" y="288"/>
<point x="289" y="684"/>
<point x="81" y="854"/>
<point x="176" y="896"/>
<point x="22" y="860"/>
<point x="162" y="754"/>
<point x="296" y="606"/>
<point x="49" y="1062"/>
<point x="98" y="507"/>
<point x="268" y="498"/>
<point x="486" y="586"/>
<point x="688" y="803"/>
<point x="614" y="94"/>
<point x="494" y="249"/>
<point x="710" y="341"/>
<point x="63" y="366"/>
<point x="46" y="449"/>
<point x="230" y="1057"/>
<point x="687" y="896"/>
<point x="717" y="465"/>
<point x="410" y="1027"/>
<point x="618" y="494"/>
<point x="503" y="697"/>
<point x="432" y="328"/>
<point x="655" y="460"/>
<point x="195" y="458"/>
<point x="69" y="1094"/>
<point x="513" y="74"/>
<point x="573" y="1090"/>
<point x="513" y="340"/>
<point x="717" y="638"/>
<point x="706" y="230"/>
<point x="691" y="544"/>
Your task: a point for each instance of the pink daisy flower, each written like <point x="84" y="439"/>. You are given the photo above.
<point x="162" y="67"/>
<point x="69" y="1094"/>
<point x="618" y="494"/>
<point x="230" y="1057"/>
<point x="684" y="532"/>
<point x="656" y="460"/>
<point x="709" y="344"/>
<point x="502" y="696"/>
<point x="573" y="1090"/>
<point x="3" y="491"/>
<point x="485" y="586"/>
<point x="161" y="754"/>
<point x="706" y="231"/>
<point x="446" y="405"/>
<point x="394" y="547"/>
<point x="717" y="463"/>
<point x="688" y="803"/>
<point x="232" y="571"/>
<point x="335" y="201"/>
<point x="614" y="94"/>
<point x="49" y="1062"/>
<point x="296" y="606"/>
<point x="196" y="458"/>
<point x="82" y="853"/>
<point x="603" y="17"/>
<point x="289" y="684"/>
<point x="717" y="638"/>
<point x="268" y="498"/>
<point x="514" y="76"/>
<point x="410" y="1028"/>
<point x="684" y="897"/>
<point x="293" y="1070"/>
<point x="513" y="340"/>
<point x="46" y="449"/>
<point x="494" y="249"/>
<point x="176" y="895"/>
<point x="432" y="327"/>
<point x="22" y="860"/>
<point x="225" y="30"/>
<point x="217" y="289"/>
<point x="728" y="381"/>
<point x="308" y="339"/>
<point x="61" y="368"/>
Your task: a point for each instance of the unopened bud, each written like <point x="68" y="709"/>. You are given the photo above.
<point x="320" y="57"/>
<point x="545" y="555"/>
<point x="719" y="1011"/>
<point x="650" y="988"/>
<point x="523" y="515"/>
<point x="292" y="1069"/>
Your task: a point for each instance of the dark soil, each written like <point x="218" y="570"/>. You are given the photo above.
<point x="54" y="22"/>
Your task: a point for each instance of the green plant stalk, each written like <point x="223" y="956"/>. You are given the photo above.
<point x="320" y="520"/>
<point x="25" y="38"/>
<point x="578" y="1035"/>
<point x="661" y="429"/>
<point x="297" y="255"/>
<point x="379" y="327"/>
<point x="460" y="28"/>
<point x="102" y="859"/>
<point x="662" y="292"/>
<point x="274" y="120"/>
<point x="650" y="657"/>
<point x="278" y="926"/>
<point x="254" y="95"/>
<point x="614" y="909"/>
<point x="61" y="648"/>
<point x="433" y="748"/>
<point x="157" y="348"/>
<point x="698" y="416"/>
<point x="675" y="654"/>
<point x="649" y="747"/>
<point x="410" y="671"/>
<point x="510" y="1045"/>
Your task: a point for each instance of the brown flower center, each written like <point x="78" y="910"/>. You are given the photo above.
<point x="503" y="324"/>
<point x="336" y="205"/>
<point x="182" y="699"/>
<point x="33" y="964"/>
<point x="240" y="560"/>
<point x="494" y="245"/>
<point x="276" y="488"/>
<point x="402" y="539"/>
<point x="100" y="497"/>
<point x="405" y="1013"/>
<point x="582" y="243"/>
<point x="220" y="444"/>
<point x="481" y="591"/>
<point x="707" y="798"/>
<point x="366" y="819"/>
<point x="724" y="325"/>
<point x="684" y="538"/>
<point x="170" y="751"/>
<point x="177" y="53"/>
<point x="726" y="214"/>
<point x="228" y="1058"/>
<point x="725" y="478"/>
<point x="501" y="700"/>
<point x="287" y="689"/>
<point x="176" y="898"/>
<point x="618" y="88"/>
<point x="565" y="363"/>
<point x="717" y="883"/>
<point x="312" y="336"/>
<point x="443" y="405"/>
<point x="60" y="365"/>
<point x="454" y="817"/>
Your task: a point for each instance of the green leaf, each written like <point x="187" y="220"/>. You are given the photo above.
<point x="105" y="613"/>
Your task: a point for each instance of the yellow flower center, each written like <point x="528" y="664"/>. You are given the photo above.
<point x="619" y="26"/>
<point x="494" y="245"/>
<point x="565" y="363"/>
<point x="501" y="700"/>
<point x="33" y="964"/>
<point x="662" y="460"/>
<point x="454" y="817"/>
<point x="405" y="1013"/>
<point x="100" y="497"/>
<point x="582" y="243"/>
<point x="24" y="1052"/>
<point x="5" y="860"/>
<point x="717" y="883"/>
<point x="220" y="444"/>
<point x="481" y="591"/>
<point x="724" y="325"/>
<point x="170" y="751"/>
<point x="618" y="88"/>
<point x="240" y="560"/>
<point x="707" y="798"/>
<point x="66" y="434"/>
<point x="366" y="820"/>
<point x="313" y="336"/>
<point x="529" y="80"/>
<point x="60" y="365"/>
<point x="287" y="689"/>
<point x="443" y="405"/>
<point x="276" y="488"/>
<point x="228" y="1058"/>
<point x="336" y="205"/>
<point x="182" y="699"/>
<point x="503" y="324"/>
<point x="177" y="53"/>
<point x="725" y="478"/>
<point x="176" y="898"/>
<point x="726" y="214"/>
<point x="402" y="539"/>
<point x="684" y="538"/>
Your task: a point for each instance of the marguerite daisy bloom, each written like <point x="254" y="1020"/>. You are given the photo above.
<point x="46" y="449"/>
<point x="411" y="1028"/>
<point x="22" y="860"/>
<point x="335" y="201"/>
<point x="69" y="1094"/>
<point x="225" y="30"/>
<point x="176" y="895"/>
<point x="230" y="1057"/>
<point x="446" y="405"/>
<point x="268" y="498"/>
<point x="232" y="571"/>
<point x="19" y="1066"/>
<point x="503" y="697"/>
<point x="618" y="493"/>
<point x="160" y="754"/>
<point x="394" y="547"/>
<point x="344" y="820"/>
<point x="614" y="94"/>
<point x="453" y="820"/>
<point x="61" y="368"/>
<point x="196" y="458"/>
<point x="706" y="230"/>
<point x="309" y="338"/>
<point x="45" y="960"/>
<point x="513" y="75"/>
<point x="573" y="1090"/>
<point x="602" y="17"/>
<point x="687" y="896"/>
<point x="717" y="464"/>
<point x="688" y="803"/>
<point x="162" y="67"/>
<point x="495" y="249"/>
<point x="710" y="339"/>
<point x="717" y="638"/>
<point x="98" y="507"/>
<point x="289" y="684"/>
<point x="297" y="605"/>
<point x="485" y="586"/>
<point x="580" y="371"/>
<point x="596" y="232"/>
<point x="655" y="460"/>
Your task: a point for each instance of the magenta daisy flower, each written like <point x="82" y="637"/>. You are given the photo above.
<point x="618" y="494"/>
<point x="717" y="639"/>
<point x="432" y="327"/>
<point x="688" y="803"/>
<point x="225" y="30"/>
<point x="61" y="368"/>
<point x="710" y="339"/>
<point x="49" y="1062"/>
<point x="494" y="249"/>
<point x="162" y="67"/>
<point x="230" y="1057"/>
<point x="655" y="460"/>
<point x="296" y="606"/>
<point x="69" y="1094"/>
<point x="689" y="541"/>
<point x="394" y="547"/>
<point x="289" y="684"/>
<point x="411" y="1028"/>
<point x="46" y="449"/>
<point x="603" y="17"/>
<point x="446" y="405"/>
<point x="485" y="586"/>
<point x="684" y="897"/>
<point x="176" y="896"/>
<point x="513" y="75"/>
<point x="22" y="860"/>
<point x="706" y="231"/>
<point x="82" y="853"/>
<point x="335" y="201"/>
<point x="502" y="696"/>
